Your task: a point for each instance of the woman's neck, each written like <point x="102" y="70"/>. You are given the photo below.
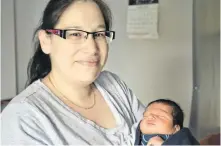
<point x="67" y="89"/>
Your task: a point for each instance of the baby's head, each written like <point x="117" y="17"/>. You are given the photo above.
<point x="162" y="116"/>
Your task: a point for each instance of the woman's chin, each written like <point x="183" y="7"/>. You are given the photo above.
<point x="89" y="77"/>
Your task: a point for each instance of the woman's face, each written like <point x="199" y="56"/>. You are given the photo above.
<point x="81" y="62"/>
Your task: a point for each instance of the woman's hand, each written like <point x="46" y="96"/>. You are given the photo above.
<point x="156" y="140"/>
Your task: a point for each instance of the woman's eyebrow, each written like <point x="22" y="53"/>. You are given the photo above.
<point x="73" y="27"/>
<point x="101" y="26"/>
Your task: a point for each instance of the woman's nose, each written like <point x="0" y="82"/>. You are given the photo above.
<point x="91" y="45"/>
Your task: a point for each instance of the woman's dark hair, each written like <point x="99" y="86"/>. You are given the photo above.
<point x="40" y="64"/>
<point x="177" y="113"/>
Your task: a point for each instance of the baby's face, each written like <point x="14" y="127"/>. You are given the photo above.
<point x="158" y="119"/>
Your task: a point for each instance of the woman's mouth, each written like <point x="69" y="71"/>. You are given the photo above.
<point x="88" y="63"/>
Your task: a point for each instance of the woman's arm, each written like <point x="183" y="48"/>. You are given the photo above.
<point x="20" y="126"/>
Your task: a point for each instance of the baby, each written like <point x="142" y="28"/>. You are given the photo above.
<point x="162" y="124"/>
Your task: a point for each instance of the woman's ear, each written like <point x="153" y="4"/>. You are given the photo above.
<point x="45" y="41"/>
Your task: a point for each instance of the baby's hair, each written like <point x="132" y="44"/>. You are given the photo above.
<point x="178" y="115"/>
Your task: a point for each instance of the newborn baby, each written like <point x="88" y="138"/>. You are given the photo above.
<point x="162" y="124"/>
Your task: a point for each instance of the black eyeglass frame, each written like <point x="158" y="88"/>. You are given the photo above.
<point x="62" y="32"/>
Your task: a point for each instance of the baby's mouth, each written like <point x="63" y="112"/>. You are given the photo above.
<point x="151" y="123"/>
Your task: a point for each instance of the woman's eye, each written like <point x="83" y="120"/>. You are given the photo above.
<point x="101" y="34"/>
<point x="76" y="34"/>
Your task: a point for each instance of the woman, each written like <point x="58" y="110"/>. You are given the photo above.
<point x="69" y="100"/>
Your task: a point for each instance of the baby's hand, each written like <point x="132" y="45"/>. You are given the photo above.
<point x="156" y="140"/>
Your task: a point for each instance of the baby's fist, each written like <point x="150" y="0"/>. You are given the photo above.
<point x="156" y="140"/>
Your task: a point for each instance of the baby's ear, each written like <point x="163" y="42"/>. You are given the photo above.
<point x="177" y="128"/>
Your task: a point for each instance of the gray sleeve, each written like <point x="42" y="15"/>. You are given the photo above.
<point x="20" y="126"/>
<point x="130" y="98"/>
<point x="132" y="102"/>
<point x="137" y="107"/>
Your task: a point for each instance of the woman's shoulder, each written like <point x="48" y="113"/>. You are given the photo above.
<point x="107" y="73"/>
<point x="107" y="78"/>
<point x="112" y="83"/>
<point x="23" y="116"/>
<point x="121" y="93"/>
<point x="24" y="101"/>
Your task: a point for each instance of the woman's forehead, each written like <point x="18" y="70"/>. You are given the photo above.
<point x="81" y="15"/>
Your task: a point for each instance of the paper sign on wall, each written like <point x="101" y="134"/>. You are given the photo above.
<point x="142" y="19"/>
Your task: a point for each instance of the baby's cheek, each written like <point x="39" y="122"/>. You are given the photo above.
<point x="143" y="126"/>
<point x="146" y="128"/>
<point x="165" y="127"/>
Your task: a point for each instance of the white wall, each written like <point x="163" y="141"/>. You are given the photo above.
<point x="152" y="68"/>
<point x="8" y="69"/>
<point x="28" y="14"/>
<point x="156" y="68"/>
<point x="207" y="59"/>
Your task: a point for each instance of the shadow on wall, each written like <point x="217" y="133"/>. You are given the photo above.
<point x="208" y="131"/>
<point x="212" y="139"/>
<point x="4" y="103"/>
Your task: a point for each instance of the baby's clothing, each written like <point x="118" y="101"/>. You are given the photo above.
<point x="146" y="137"/>
<point x="182" y="137"/>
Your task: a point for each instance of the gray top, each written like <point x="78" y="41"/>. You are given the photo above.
<point x="36" y="116"/>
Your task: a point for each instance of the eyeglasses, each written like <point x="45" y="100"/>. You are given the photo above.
<point x="80" y="36"/>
